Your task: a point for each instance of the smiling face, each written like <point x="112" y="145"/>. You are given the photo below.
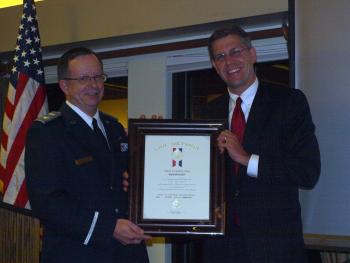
<point x="85" y="96"/>
<point x="234" y="62"/>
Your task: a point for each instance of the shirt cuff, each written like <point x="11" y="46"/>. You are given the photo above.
<point x="253" y="164"/>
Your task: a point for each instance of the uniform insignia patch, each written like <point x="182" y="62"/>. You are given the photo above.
<point x="124" y="147"/>
<point x="49" y="117"/>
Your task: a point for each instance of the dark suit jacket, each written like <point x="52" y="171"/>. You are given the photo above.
<point x="280" y="130"/>
<point x="70" y="178"/>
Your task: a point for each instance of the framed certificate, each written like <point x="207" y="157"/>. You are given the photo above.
<point x="176" y="177"/>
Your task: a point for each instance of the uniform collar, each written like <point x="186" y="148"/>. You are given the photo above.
<point x="84" y="116"/>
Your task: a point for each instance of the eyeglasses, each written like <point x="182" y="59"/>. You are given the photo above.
<point x="83" y="80"/>
<point x="233" y="53"/>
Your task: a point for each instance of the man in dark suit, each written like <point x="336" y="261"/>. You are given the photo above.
<point x="271" y="151"/>
<point x="74" y="162"/>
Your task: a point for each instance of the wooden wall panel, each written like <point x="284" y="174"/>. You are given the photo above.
<point x="19" y="237"/>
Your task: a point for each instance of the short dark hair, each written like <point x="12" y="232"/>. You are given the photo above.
<point x="226" y="31"/>
<point x="63" y="63"/>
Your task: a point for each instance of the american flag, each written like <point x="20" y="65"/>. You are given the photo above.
<point x="26" y="100"/>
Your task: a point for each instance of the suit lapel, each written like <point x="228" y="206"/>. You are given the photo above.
<point x="84" y="136"/>
<point x="225" y="109"/>
<point x="222" y="110"/>
<point x="257" y="116"/>
<point x="109" y="132"/>
<point x="76" y="126"/>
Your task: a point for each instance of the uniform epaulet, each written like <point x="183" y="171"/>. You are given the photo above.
<point x="49" y="117"/>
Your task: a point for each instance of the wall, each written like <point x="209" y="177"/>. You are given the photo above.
<point x="66" y="21"/>
<point x="117" y="108"/>
<point x="147" y="89"/>
<point x="322" y="72"/>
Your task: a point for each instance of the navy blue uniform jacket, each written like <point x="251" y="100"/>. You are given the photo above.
<point x="73" y="180"/>
<point x="280" y="130"/>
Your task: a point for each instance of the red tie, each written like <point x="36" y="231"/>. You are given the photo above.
<point x="238" y="124"/>
<point x="237" y="127"/>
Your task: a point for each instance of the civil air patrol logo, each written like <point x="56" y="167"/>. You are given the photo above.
<point x="177" y="155"/>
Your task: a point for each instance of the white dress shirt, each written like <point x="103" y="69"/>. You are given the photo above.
<point x="247" y="100"/>
<point x="87" y="118"/>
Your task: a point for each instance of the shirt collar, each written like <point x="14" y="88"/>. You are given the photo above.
<point x="83" y="115"/>
<point x="248" y="95"/>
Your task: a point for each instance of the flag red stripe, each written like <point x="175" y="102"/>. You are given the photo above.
<point x="21" y="85"/>
<point x="4" y="140"/>
<point x="22" y="196"/>
<point x="18" y="144"/>
<point x="2" y="171"/>
<point x="9" y="109"/>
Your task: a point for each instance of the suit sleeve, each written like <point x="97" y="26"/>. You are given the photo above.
<point x="55" y="206"/>
<point x="298" y="160"/>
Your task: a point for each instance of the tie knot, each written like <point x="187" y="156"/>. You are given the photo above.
<point x="238" y="101"/>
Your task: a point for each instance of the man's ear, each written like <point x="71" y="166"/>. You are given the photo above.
<point x="63" y="85"/>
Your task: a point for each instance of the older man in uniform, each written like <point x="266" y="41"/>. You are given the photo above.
<point x="74" y="162"/>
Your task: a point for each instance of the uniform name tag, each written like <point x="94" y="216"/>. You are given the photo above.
<point x="83" y="160"/>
